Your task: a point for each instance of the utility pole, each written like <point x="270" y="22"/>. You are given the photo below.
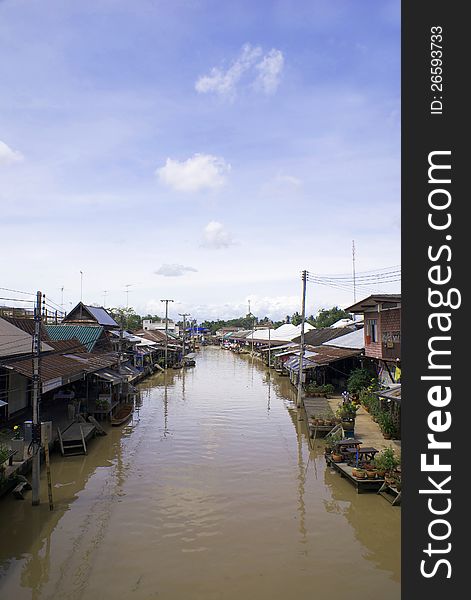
<point x="184" y="315"/>
<point x="253" y="333"/>
<point x="166" y="331"/>
<point x="104" y="298"/>
<point x="301" y="349"/>
<point x="81" y="286"/>
<point x="354" y="274"/>
<point x="120" y="349"/>
<point x="354" y="278"/>
<point x="36" y="428"/>
<point x="269" y="347"/>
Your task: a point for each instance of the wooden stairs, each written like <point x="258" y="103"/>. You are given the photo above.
<point x="72" y="439"/>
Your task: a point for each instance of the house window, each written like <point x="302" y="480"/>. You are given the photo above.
<point x="373" y="330"/>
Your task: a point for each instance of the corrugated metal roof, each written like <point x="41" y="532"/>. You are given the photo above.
<point x="52" y="367"/>
<point x="88" y="335"/>
<point x="91" y="362"/>
<point x="83" y="313"/>
<point x="14" y="340"/>
<point x="355" y="339"/>
<point x="316" y="337"/>
<point x="285" y="333"/>
<point x="154" y="335"/>
<point x="59" y="365"/>
<point x="320" y="356"/>
<point x="372" y="301"/>
<point x="64" y="346"/>
<point x="102" y="316"/>
<point x="391" y="393"/>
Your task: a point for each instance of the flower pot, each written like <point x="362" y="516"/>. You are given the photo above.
<point x="371" y="474"/>
<point x="359" y="473"/>
<point x="337" y="457"/>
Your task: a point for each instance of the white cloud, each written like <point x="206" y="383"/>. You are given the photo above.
<point x="224" y="82"/>
<point x="201" y="171"/>
<point x="174" y="270"/>
<point x="216" y="236"/>
<point x="282" y="185"/>
<point x="269" y="71"/>
<point x="274" y="307"/>
<point x="9" y="156"/>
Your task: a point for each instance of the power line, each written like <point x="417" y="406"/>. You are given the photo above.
<point x="17" y="291"/>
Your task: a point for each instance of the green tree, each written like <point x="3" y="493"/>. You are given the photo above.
<point x="126" y="317"/>
<point x="328" y="316"/>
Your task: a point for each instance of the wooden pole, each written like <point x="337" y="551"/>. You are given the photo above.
<point x="36" y="431"/>
<point x="301" y="349"/>
<point x="48" y="471"/>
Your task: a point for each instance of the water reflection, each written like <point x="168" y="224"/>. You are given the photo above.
<point x="213" y="491"/>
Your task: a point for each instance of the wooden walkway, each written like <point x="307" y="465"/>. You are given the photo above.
<point x="318" y="408"/>
<point x="362" y="485"/>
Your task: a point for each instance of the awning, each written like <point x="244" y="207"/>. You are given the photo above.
<point x="391" y="393"/>
<point x="293" y="364"/>
<point x="282" y="347"/>
<point x="129" y="372"/>
<point x="110" y="376"/>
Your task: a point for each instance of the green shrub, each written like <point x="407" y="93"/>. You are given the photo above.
<point x="328" y="389"/>
<point x="360" y="379"/>
<point x="348" y="410"/>
<point x="387" y="460"/>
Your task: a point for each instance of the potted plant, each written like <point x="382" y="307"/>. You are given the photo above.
<point x="328" y="390"/>
<point x="359" y="473"/>
<point x="17" y="443"/>
<point x="387" y="425"/>
<point x="371" y="472"/>
<point x="331" y="440"/>
<point x="386" y="462"/>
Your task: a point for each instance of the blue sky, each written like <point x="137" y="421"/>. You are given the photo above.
<point x="198" y="150"/>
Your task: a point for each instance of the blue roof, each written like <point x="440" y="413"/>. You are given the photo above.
<point x="102" y="316"/>
<point x="87" y="335"/>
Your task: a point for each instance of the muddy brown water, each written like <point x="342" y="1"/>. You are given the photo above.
<point x="211" y="492"/>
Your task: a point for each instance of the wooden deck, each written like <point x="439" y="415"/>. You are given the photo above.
<point x="72" y="433"/>
<point x="73" y="440"/>
<point x="320" y="408"/>
<point x="362" y="485"/>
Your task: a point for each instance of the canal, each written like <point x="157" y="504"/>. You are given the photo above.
<point x="211" y="492"/>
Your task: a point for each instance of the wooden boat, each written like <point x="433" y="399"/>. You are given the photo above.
<point x="123" y="414"/>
